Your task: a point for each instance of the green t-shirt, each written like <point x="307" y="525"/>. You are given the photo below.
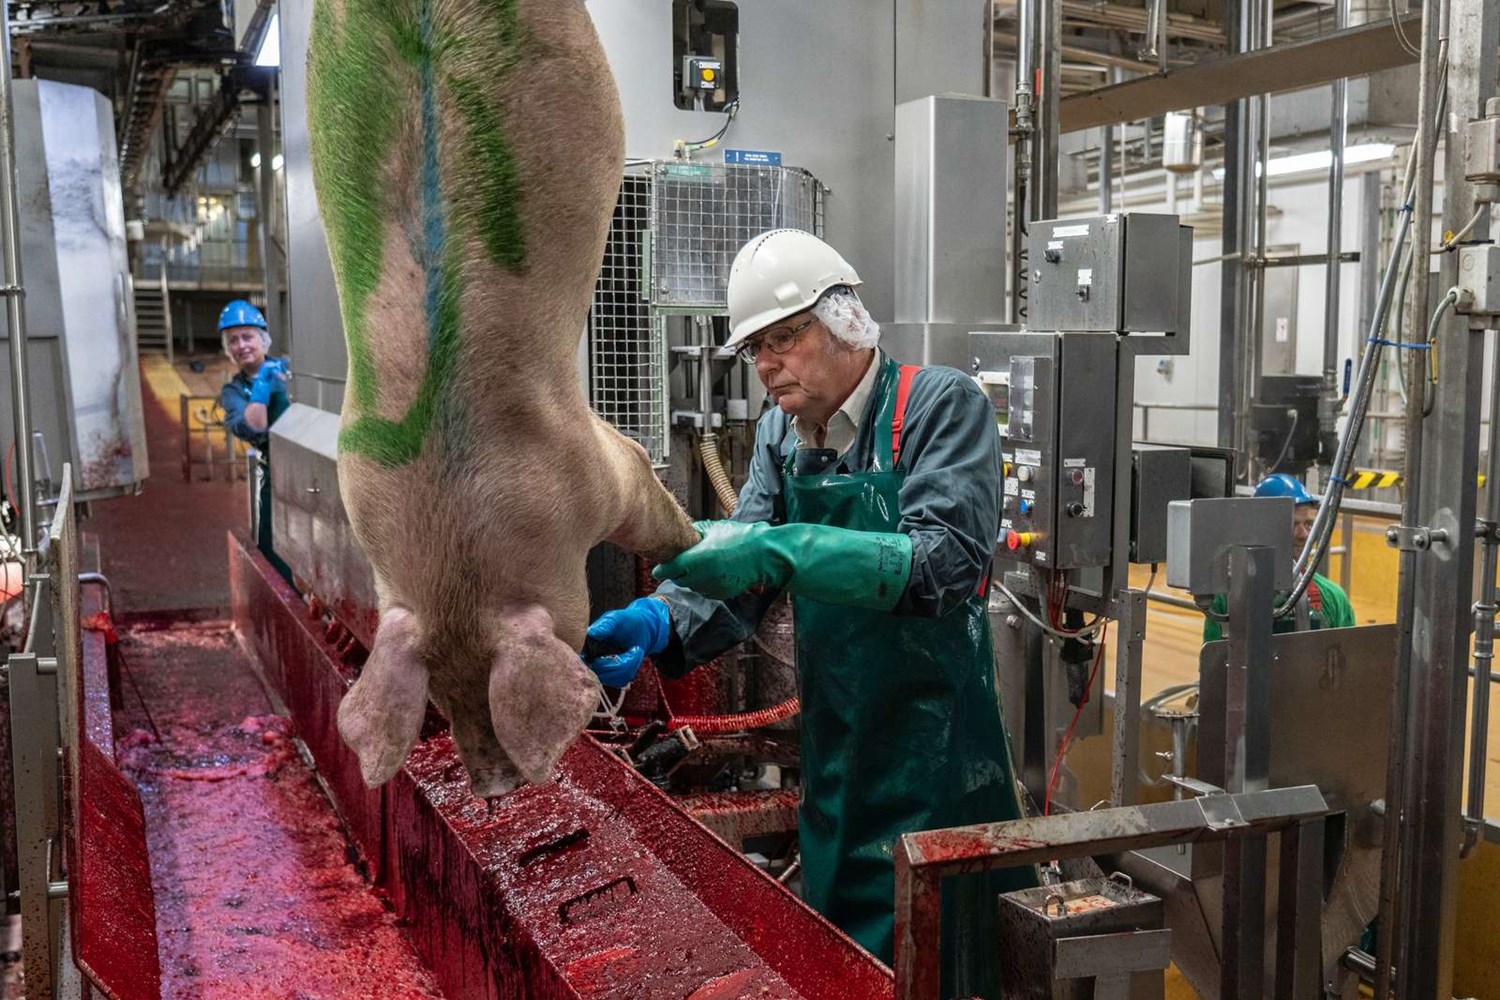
<point x="1327" y="605"/>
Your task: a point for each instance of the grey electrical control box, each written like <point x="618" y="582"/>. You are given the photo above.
<point x="1112" y="274"/>
<point x="1200" y="534"/>
<point x="1049" y="392"/>
<point x="1160" y="474"/>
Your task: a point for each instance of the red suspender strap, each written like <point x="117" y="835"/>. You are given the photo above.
<point x="903" y="391"/>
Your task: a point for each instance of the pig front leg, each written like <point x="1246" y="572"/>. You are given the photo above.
<point x="381" y="715"/>
<point x="654" y="523"/>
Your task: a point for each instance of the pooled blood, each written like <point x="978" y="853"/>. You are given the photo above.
<point x="255" y="892"/>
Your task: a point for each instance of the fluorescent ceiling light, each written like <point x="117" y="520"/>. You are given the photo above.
<point x="1321" y="160"/>
<point x="270" y="44"/>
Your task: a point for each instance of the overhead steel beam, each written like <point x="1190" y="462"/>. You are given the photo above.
<point x="1368" y="48"/>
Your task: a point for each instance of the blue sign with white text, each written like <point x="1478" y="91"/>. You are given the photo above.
<point x="754" y="156"/>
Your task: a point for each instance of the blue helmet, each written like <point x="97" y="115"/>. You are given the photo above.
<point x="241" y="313"/>
<point x="1283" y="484"/>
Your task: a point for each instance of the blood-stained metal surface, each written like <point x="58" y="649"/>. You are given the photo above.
<point x="114" y="908"/>
<point x="924" y="859"/>
<point x="112" y="905"/>
<point x="595" y="885"/>
<point x="733" y="816"/>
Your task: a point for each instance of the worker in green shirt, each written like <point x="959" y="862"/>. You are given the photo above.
<point x="1327" y="604"/>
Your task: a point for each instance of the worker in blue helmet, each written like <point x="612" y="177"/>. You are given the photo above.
<point x="1325" y="605"/>
<point x="253" y="398"/>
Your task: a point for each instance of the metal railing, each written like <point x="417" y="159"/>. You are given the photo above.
<point x="1148" y="408"/>
<point x="44" y="727"/>
<point x="320" y="384"/>
<point x="206" y="440"/>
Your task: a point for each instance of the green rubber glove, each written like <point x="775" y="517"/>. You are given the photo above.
<point x="854" y="569"/>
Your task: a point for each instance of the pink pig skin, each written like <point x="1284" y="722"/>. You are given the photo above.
<point x="478" y="545"/>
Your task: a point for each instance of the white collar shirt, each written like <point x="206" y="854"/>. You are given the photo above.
<point x="843" y="426"/>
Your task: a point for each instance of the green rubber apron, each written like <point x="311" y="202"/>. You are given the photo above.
<point x="901" y="731"/>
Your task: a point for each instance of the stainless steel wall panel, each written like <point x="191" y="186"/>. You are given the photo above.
<point x="950" y="205"/>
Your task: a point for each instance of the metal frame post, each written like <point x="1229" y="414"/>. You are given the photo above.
<point x="1044" y="175"/>
<point x="1337" y="137"/>
<point x="924" y="859"/>
<point x="12" y="291"/>
<point x="1238" y="176"/>
<point x="1442" y="575"/>
<point x="1247" y="758"/>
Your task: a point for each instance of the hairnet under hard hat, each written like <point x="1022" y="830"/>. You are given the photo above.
<point x="847" y="318"/>
<point x="778" y="274"/>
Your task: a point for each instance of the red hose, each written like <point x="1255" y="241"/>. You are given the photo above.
<point x="715" y="725"/>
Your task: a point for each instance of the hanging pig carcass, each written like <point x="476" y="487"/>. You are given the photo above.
<point x="467" y="156"/>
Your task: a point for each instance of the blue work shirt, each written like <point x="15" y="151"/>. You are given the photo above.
<point x="234" y="397"/>
<point x="950" y="508"/>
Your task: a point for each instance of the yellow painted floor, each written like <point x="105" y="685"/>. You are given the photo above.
<point x="1173" y="638"/>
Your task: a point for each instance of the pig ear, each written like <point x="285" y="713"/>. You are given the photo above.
<point x="382" y="714"/>
<point x="541" y="694"/>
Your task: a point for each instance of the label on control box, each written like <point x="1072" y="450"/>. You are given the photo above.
<point x="1028" y="457"/>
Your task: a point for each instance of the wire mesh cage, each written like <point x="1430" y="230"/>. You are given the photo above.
<point x="675" y="232"/>
<point x="702" y="213"/>
<point x="627" y="339"/>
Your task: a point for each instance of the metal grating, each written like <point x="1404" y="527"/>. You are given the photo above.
<point x="702" y="213"/>
<point x="627" y="339"/>
<point x="675" y="233"/>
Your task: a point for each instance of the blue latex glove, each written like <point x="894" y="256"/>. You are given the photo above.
<point x="270" y="379"/>
<point x="640" y="629"/>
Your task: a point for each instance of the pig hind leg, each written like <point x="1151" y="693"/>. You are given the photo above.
<point x="655" y="525"/>
<point x="540" y="693"/>
<point x="381" y="715"/>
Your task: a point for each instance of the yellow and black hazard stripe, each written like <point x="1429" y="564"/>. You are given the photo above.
<point x="1379" y="479"/>
<point x="1373" y="479"/>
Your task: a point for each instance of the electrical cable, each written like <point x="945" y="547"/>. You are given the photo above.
<point x="730" y="111"/>
<point x="1449" y="244"/>
<point x="1056" y="633"/>
<point x="1067" y="740"/>
<point x="1401" y="32"/>
<point x="1430" y="398"/>
<point x="1291" y="433"/>
<point x="1322" y="528"/>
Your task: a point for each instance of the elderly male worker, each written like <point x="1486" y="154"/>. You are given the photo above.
<point x="873" y="498"/>
<point x="1325" y="605"/>
<point x="253" y="399"/>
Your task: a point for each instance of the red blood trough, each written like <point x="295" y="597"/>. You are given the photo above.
<point x="595" y="885"/>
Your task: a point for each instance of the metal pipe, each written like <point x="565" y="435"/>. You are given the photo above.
<point x="1046" y="125"/>
<point x="1391" y="867"/>
<point x="1338" y="133"/>
<point x="1233" y="304"/>
<point x="15" y="305"/>
<point x="1251" y="344"/>
<point x="1025" y="79"/>
<point x="1484" y="625"/>
<point x="1106" y="169"/>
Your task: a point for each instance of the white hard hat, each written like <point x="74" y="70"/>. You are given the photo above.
<point x="779" y="274"/>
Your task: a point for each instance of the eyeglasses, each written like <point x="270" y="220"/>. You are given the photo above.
<point x="778" y="340"/>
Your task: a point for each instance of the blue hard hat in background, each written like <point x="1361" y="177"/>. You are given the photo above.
<point x="1283" y="484"/>
<point x="241" y="313"/>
